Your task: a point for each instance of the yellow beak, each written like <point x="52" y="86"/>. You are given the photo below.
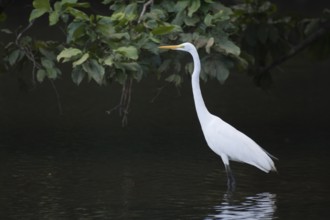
<point x="171" y="47"/>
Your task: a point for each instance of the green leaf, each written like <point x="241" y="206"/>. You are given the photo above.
<point x="178" y="20"/>
<point x="216" y="69"/>
<point x="94" y="70"/>
<point x="47" y="63"/>
<point x="208" y="20"/>
<point x="6" y="31"/>
<point x="53" y="18"/>
<point x="40" y="8"/>
<point x="131" y="12"/>
<point x="181" y="5"/>
<point x="194" y="6"/>
<point x="108" y="61"/>
<point x="41" y="4"/>
<point x="78" y="14"/>
<point x="226" y="46"/>
<point x="81" y="60"/>
<point x="164" y="65"/>
<point x="117" y="16"/>
<point x="41" y="74"/>
<point x="191" y="21"/>
<point x="69" y="1"/>
<point x="119" y="36"/>
<point x="78" y="75"/>
<point x="47" y="53"/>
<point x="13" y="57"/>
<point x="68" y="53"/>
<point x="129" y="52"/>
<point x="162" y="30"/>
<point x="76" y="29"/>
<point x="174" y="78"/>
<point x="132" y="67"/>
<point x="36" y="13"/>
<point x="51" y="73"/>
<point x="209" y="44"/>
<point x="222" y="72"/>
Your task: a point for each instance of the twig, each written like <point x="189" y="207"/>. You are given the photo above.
<point x="124" y="103"/>
<point x="159" y="91"/>
<point x="27" y="51"/>
<point x="145" y="5"/>
<point x="25" y="29"/>
<point x="127" y="102"/>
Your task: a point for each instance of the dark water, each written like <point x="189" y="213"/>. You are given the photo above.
<point x="68" y="175"/>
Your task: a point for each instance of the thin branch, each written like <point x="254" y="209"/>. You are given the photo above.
<point x="124" y="103"/>
<point x="159" y="91"/>
<point x="127" y="102"/>
<point x="298" y="48"/>
<point x="28" y="52"/>
<point x="19" y="35"/>
<point x="145" y="5"/>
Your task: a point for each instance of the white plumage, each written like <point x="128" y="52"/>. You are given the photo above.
<point x="222" y="138"/>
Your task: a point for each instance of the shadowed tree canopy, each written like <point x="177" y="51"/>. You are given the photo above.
<point x="117" y="41"/>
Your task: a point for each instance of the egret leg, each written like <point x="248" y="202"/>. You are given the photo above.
<point x="231" y="182"/>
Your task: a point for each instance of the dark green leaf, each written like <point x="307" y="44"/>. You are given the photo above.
<point x="94" y="70"/>
<point x="162" y="30"/>
<point x="68" y="53"/>
<point x="78" y="14"/>
<point x="78" y="75"/>
<point x="47" y="63"/>
<point x="191" y="21"/>
<point x="51" y="73"/>
<point x="108" y="61"/>
<point x="209" y="44"/>
<point x="6" y="31"/>
<point x="41" y="4"/>
<point x="194" y="6"/>
<point x="129" y="52"/>
<point x="208" y="20"/>
<point x="13" y="57"/>
<point x="164" y="65"/>
<point x="227" y="47"/>
<point x="81" y="60"/>
<point x="47" y="53"/>
<point x="36" y="13"/>
<point x="222" y="71"/>
<point x="41" y="74"/>
<point x="76" y="29"/>
<point x="174" y="78"/>
<point x="53" y="18"/>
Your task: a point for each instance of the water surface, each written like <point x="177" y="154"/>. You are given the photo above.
<point x="68" y="175"/>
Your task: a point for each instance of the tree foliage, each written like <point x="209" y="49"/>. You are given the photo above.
<point x="121" y="43"/>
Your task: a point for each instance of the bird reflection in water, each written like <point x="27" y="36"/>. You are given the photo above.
<point x="259" y="206"/>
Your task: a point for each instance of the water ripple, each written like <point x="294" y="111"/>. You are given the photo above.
<point x="259" y="206"/>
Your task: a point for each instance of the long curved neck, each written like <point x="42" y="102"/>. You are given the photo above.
<point x="202" y="112"/>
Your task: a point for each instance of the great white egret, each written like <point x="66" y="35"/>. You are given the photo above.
<point x="222" y="138"/>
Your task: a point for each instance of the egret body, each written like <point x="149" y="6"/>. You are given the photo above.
<point x="221" y="137"/>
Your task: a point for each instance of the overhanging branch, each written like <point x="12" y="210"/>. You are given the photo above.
<point x="298" y="48"/>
